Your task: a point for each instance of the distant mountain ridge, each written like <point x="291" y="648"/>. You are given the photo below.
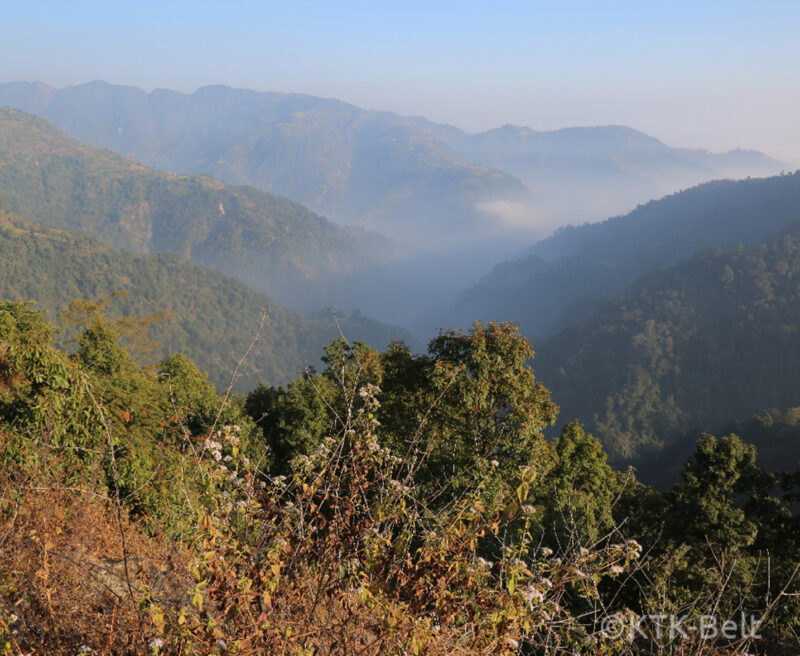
<point x="587" y="173"/>
<point x="276" y="245"/>
<point x="405" y="176"/>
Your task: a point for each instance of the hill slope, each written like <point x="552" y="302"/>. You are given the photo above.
<point x="274" y="244"/>
<point x="711" y="339"/>
<point x="213" y="317"/>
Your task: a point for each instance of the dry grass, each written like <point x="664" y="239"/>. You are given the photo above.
<point x="62" y="577"/>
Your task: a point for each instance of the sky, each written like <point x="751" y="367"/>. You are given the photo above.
<point x="714" y="75"/>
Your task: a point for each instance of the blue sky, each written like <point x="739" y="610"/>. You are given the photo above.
<point x="702" y="74"/>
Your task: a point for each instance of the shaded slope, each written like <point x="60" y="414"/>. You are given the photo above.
<point x="712" y="339"/>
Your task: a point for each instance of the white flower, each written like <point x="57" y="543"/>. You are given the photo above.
<point x="634" y="546"/>
<point x="617" y="569"/>
<point x="547" y="551"/>
<point x="494" y="463"/>
<point x="533" y="594"/>
<point x="155" y="644"/>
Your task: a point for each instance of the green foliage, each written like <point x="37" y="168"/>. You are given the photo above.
<point x="100" y="422"/>
<point x="469" y="409"/>
<point x="417" y="510"/>
<point x="292" y="421"/>
<point x="579" y="491"/>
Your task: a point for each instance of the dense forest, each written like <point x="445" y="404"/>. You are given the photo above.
<point x="566" y="277"/>
<point x="709" y="340"/>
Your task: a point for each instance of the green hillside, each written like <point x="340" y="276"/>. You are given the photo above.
<point x="212" y="318"/>
<point x="709" y="340"/>
<point x="275" y="245"/>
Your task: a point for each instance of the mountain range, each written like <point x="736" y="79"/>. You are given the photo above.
<point x="414" y="180"/>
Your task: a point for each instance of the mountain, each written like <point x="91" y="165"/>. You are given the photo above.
<point x="276" y="245"/>
<point x="563" y="278"/>
<point x="584" y="173"/>
<point x="211" y="316"/>
<point x="374" y="168"/>
<point x="712" y="339"/>
<point x="428" y="184"/>
<point x="736" y="163"/>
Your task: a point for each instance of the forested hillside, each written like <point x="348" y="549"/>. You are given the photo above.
<point x="275" y="245"/>
<point x="205" y="314"/>
<point x="712" y="339"/>
<point x="565" y="277"/>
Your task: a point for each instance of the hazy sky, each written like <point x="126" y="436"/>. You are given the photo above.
<point x="703" y="74"/>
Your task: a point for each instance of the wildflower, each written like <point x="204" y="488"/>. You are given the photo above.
<point x="547" y="551"/>
<point x="155" y="644"/>
<point x="533" y="595"/>
<point x="494" y="463"/>
<point x="617" y="569"/>
<point x="634" y="546"/>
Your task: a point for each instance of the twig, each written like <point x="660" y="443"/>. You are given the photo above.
<point x="111" y="632"/>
